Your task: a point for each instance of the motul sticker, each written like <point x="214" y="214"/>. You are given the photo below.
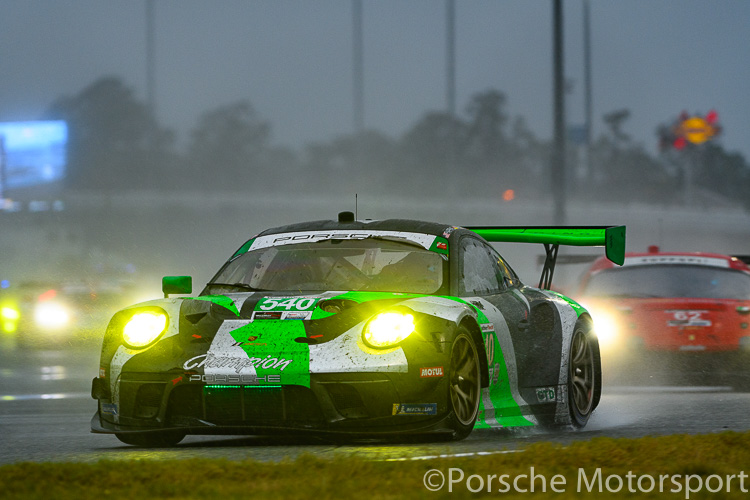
<point x="436" y="371"/>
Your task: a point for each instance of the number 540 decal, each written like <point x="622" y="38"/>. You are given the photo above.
<point x="287" y="303"/>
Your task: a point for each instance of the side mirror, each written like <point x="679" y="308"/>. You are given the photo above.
<point x="176" y="284"/>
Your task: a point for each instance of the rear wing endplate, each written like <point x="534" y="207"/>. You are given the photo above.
<point x="612" y="238"/>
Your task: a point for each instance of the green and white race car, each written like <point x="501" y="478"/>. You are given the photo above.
<point x="360" y="329"/>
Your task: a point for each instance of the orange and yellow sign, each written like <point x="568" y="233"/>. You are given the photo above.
<point x="696" y="129"/>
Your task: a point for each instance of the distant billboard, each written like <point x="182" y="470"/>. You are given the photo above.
<point x="34" y="151"/>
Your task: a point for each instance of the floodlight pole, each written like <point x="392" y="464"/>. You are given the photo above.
<point x="358" y="67"/>
<point x="150" y="79"/>
<point x="2" y="170"/>
<point x="450" y="56"/>
<point x="587" y="83"/>
<point x="450" y="77"/>
<point x="557" y="176"/>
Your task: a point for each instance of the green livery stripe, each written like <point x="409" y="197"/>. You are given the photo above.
<point x="610" y="237"/>
<point x="368" y="296"/>
<point x="361" y="297"/>
<point x="578" y="308"/>
<point x="244" y="248"/>
<point x="506" y="409"/>
<point x="271" y="347"/>
<point x="440" y="245"/>
<point x="219" y="300"/>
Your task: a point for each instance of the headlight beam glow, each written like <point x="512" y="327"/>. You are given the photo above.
<point x="51" y="315"/>
<point x="143" y="329"/>
<point x="388" y="329"/>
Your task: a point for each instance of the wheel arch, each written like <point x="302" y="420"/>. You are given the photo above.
<point x="586" y="318"/>
<point x="476" y="335"/>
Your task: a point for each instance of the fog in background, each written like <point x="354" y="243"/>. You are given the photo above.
<point x="293" y="60"/>
<point x="250" y="123"/>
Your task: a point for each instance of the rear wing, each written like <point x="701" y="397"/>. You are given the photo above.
<point x="612" y="238"/>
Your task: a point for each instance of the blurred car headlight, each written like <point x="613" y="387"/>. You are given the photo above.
<point x="9" y="313"/>
<point x="144" y="328"/>
<point x="51" y="315"/>
<point x="606" y="329"/>
<point x="388" y="329"/>
<point x="9" y="317"/>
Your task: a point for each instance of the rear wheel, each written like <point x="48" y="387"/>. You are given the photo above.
<point x="584" y="374"/>
<point x="162" y="439"/>
<point x="464" y="381"/>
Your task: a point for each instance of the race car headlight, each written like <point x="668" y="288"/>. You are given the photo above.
<point x="51" y="315"/>
<point x="605" y="327"/>
<point x="9" y="317"/>
<point x="388" y="329"/>
<point x="9" y="313"/>
<point x="143" y="329"/>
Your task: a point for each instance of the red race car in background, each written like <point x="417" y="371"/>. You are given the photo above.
<point x="672" y="317"/>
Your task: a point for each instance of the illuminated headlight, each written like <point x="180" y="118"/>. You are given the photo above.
<point x="388" y="329"/>
<point x="51" y="315"/>
<point x="9" y="313"/>
<point x="9" y="317"/>
<point x="605" y="327"/>
<point x="143" y="329"/>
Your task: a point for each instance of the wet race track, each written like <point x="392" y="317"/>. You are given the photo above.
<point x="46" y="407"/>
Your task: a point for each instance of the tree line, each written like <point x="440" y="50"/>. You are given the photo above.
<point x="115" y="143"/>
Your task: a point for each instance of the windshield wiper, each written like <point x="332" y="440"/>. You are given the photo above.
<point x="244" y="286"/>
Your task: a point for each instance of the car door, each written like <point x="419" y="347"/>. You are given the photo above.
<point x="489" y="284"/>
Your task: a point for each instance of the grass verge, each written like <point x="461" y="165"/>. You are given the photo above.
<point x="679" y="466"/>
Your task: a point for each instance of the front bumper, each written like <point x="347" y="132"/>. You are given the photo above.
<point x="345" y="403"/>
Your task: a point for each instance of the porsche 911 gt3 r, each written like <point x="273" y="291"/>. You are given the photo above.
<point x="359" y="328"/>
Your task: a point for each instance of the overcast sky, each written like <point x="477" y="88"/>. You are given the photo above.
<point x="292" y="59"/>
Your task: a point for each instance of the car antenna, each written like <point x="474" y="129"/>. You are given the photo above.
<point x="355" y="207"/>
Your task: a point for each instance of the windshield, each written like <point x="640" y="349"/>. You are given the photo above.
<point x="356" y="265"/>
<point x="670" y="281"/>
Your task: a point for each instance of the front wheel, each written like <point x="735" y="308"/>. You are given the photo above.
<point x="464" y="384"/>
<point x="584" y="374"/>
<point x="162" y="439"/>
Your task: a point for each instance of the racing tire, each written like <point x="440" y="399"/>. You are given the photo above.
<point x="163" y="439"/>
<point x="584" y="374"/>
<point x="464" y="384"/>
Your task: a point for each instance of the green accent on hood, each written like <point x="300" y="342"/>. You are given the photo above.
<point x="219" y="300"/>
<point x="244" y="248"/>
<point x="610" y="237"/>
<point x="362" y="297"/>
<point x="369" y="296"/>
<point x="273" y="350"/>
<point x="440" y="245"/>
